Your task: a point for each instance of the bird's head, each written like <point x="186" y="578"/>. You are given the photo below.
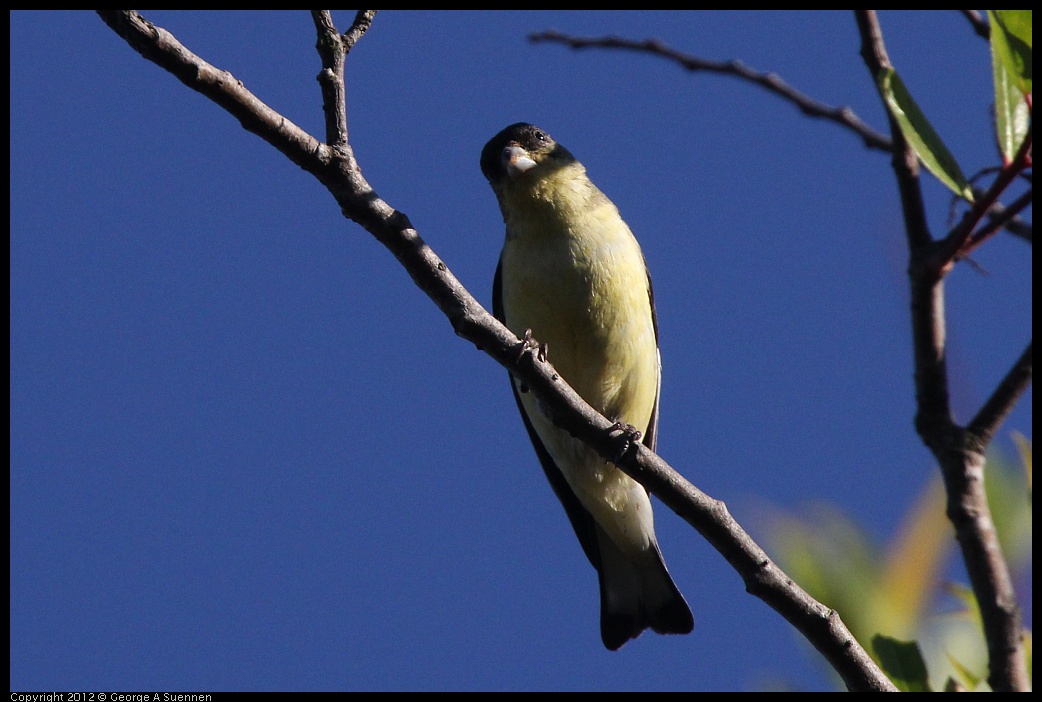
<point x="520" y="151"/>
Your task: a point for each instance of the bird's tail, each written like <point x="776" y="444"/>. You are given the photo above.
<point x="638" y="594"/>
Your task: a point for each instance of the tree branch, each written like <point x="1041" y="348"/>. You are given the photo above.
<point x="1001" y="402"/>
<point x="336" y="168"/>
<point x="332" y="49"/>
<point x="844" y="116"/>
<point x="959" y="452"/>
<point x="1001" y="217"/>
<point x="363" y="19"/>
<point x="958" y="242"/>
<point x="998" y="217"/>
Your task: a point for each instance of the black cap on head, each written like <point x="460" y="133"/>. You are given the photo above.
<point x="529" y="137"/>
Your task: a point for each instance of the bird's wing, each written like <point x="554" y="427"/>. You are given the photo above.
<point x="651" y="433"/>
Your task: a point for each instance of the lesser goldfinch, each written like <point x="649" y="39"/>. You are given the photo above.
<point x="572" y="273"/>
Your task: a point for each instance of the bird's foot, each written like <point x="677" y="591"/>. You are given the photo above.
<point x="529" y="343"/>
<point x="625" y="436"/>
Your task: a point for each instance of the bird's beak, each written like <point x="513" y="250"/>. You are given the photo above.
<point x="516" y="160"/>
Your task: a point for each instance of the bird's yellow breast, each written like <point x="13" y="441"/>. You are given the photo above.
<point x="573" y="273"/>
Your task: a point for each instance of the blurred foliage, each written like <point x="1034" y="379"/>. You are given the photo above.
<point x="907" y="597"/>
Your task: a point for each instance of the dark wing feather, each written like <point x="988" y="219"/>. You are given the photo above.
<point x="651" y="434"/>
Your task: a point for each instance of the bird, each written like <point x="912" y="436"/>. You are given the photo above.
<point x="572" y="277"/>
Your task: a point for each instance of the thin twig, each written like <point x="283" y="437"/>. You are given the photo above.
<point x="999" y="218"/>
<point x="1015" y="225"/>
<point x="976" y="21"/>
<point x="843" y="116"/>
<point x="954" y="245"/>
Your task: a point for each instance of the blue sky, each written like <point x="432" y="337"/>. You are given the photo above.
<point x="247" y="453"/>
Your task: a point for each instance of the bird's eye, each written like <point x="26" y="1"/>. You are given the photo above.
<point x="540" y="135"/>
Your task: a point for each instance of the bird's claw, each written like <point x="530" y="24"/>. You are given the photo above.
<point x="628" y="435"/>
<point x="529" y="343"/>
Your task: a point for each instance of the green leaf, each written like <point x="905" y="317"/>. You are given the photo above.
<point x="1024" y="447"/>
<point x="967" y="678"/>
<point x="964" y="594"/>
<point x="915" y="558"/>
<point x="1011" y="44"/>
<point x="1008" y="492"/>
<point x="903" y="662"/>
<point x="1012" y="116"/>
<point x="920" y="135"/>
